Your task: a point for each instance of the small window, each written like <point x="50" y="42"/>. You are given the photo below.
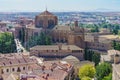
<point x="18" y="70"/>
<point x="13" y="69"/>
<point x="23" y="68"/>
<point x="7" y="70"/>
<point x="81" y="51"/>
<point x="10" y="62"/>
<point x="52" y="50"/>
<point x="4" y="64"/>
<point x="56" y="50"/>
<point x="102" y="45"/>
<point x="2" y="71"/>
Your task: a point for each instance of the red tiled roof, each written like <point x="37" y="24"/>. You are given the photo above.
<point x="46" y="13"/>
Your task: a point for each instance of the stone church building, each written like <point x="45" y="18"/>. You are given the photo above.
<point x="72" y="35"/>
<point x="66" y="34"/>
<point x="48" y="22"/>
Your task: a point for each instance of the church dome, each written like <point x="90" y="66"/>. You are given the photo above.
<point x="46" y="13"/>
<point x="46" y="20"/>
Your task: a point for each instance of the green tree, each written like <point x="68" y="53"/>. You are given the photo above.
<point x="102" y="70"/>
<point x="92" y="56"/>
<point x="119" y="33"/>
<point x="86" y="53"/>
<point x="86" y="78"/>
<point x="96" y="58"/>
<point x="116" y="45"/>
<point x="87" y="71"/>
<point x="7" y="44"/>
<point x="115" y="31"/>
<point x="41" y="39"/>
<point x="95" y="28"/>
<point x="47" y="40"/>
<point x="109" y="77"/>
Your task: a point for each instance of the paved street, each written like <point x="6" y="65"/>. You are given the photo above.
<point x="19" y="46"/>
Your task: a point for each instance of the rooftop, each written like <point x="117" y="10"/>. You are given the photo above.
<point x="62" y="27"/>
<point x="15" y="59"/>
<point x="56" y="47"/>
<point x="46" y="13"/>
<point x="113" y="52"/>
<point x="49" y="70"/>
<point x="39" y="70"/>
<point x="109" y="36"/>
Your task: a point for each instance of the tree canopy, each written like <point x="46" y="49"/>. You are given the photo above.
<point x="86" y="78"/>
<point x="41" y="39"/>
<point x="92" y="56"/>
<point x="102" y="70"/>
<point x="109" y="77"/>
<point x="87" y="70"/>
<point x="114" y="28"/>
<point x="96" y="58"/>
<point x="116" y="45"/>
<point x="7" y="44"/>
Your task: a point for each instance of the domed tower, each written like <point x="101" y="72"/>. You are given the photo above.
<point x="46" y="20"/>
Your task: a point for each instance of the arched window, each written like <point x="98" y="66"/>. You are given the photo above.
<point x="18" y="70"/>
<point x="13" y="69"/>
<point x="39" y="24"/>
<point x="23" y="68"/>
<point x="51" y="24"/>
<point x="7" y="70"/>
<point x="2" y="71"/>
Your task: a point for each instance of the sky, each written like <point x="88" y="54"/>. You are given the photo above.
<point x="59" y="5"/>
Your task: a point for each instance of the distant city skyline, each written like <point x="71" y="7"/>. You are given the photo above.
<point x="59" y="5"/>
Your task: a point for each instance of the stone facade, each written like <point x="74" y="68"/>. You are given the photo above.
<point x="98" y="46"/>
<point x="31" y="31"/>
<point x="95" y="42"/>
<point x="116" y="66"/>
<point x="72" y="35"/>
<point x="57" y="51"/>
<point x="116" y="72"/>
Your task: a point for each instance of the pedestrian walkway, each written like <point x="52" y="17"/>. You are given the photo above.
<point x="19" y="46"/>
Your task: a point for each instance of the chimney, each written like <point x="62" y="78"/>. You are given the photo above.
<point x="76" y="23"/>
<point x="116" y="59"/>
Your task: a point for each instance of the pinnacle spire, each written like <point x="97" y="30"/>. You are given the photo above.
<point x="46" y="7"/>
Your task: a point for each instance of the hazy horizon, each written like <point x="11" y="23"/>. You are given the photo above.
<point x="60" y="5"/>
